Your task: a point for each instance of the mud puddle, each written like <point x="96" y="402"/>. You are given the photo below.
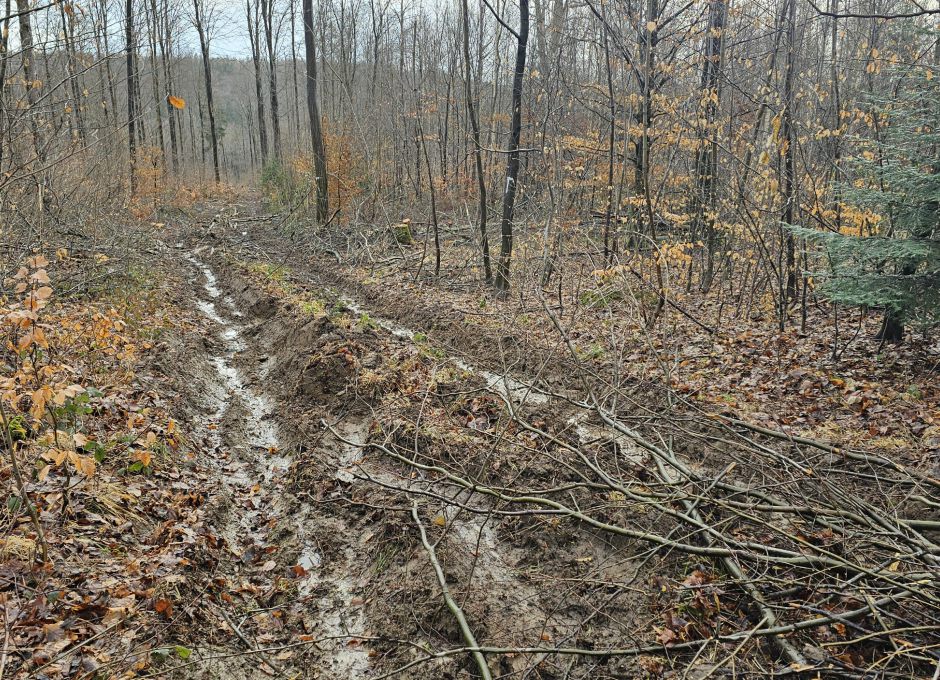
<point x="243" y="423"/>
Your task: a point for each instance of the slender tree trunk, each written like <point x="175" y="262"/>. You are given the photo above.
<point x="267" y="16"/>
<point x="611" y="142"/>
<point x="707" y="157"/>
<point x="131" y="95"/>
<point x="33" y="88"/>
<point x="433" y="194"/>
<point x="764" y="108"/>
<point x="104" y="81"/>
<point x="313" y="109"/>
<point x="255" y="40"/>
<point x="192" y="134"/>
<point x="138" y="99"/>
<point x="112" y="90"/>
<point x="648" y="39"/>
<point x="293" y="67"/>
<point x="68" y="37"/>
<point x="512" y="165"/>
<point x="477" y="149"/>
<point x="166" y="54"/>
<point x="836" y="139"/>
<point x="4" y="60"/>
<point x="152" y="24"/>
<point x="207" y="72"/>
<point x="202" y="137"/>
<point x="789" y="170"/>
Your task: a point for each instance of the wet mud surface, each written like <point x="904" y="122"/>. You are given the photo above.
<point x="314" y="520"/>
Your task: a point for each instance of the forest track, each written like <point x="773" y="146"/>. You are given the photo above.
<point x="248" y="426"/>
<point x="254" y="511"/>
<point x="347" y="482"/>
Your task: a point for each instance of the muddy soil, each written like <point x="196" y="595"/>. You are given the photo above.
<point x="369" y="397"/>
<point x="319" y="571"/>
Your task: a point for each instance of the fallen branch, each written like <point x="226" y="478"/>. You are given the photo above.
<point x="451" y="603"/>
<point x="834" y="450"/>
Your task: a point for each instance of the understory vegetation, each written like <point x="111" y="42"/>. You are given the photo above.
<point x="515" y="339"/>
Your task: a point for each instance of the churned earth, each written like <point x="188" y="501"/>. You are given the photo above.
<point x="319" y="562"/>
<point x="394" y="490"/>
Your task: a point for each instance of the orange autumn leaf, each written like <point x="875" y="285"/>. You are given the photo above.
<point x="39" y="399"/>
<point x="165" y="607"/>
<point x="85" y="465"/>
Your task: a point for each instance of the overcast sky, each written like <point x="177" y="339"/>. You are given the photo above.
<point x="231" y="34"/>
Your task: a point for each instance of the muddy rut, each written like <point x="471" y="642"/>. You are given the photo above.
<point x="331" y="581"/>
<point x="255" y="509"/>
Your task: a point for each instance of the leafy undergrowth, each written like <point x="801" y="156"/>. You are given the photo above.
<point x="98" y="515"/>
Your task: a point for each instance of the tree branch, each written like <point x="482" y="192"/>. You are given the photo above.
<point x="451" y="603"/>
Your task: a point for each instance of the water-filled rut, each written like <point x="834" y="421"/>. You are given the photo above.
<point x="243" y="426"/>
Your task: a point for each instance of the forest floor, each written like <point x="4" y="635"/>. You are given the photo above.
<point x="275" y="432"/>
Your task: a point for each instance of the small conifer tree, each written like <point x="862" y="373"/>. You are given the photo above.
<point x="892" y="262"/>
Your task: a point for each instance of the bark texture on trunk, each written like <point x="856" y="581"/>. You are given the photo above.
<point x="512" y="164"/>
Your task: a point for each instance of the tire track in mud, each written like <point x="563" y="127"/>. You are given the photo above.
<point x="516" y="605"/>
<point x="494" y="571"/>
<point x="253" y="477"/>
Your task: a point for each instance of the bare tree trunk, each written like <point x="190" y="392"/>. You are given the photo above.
<point x="101" y="29"/>
<point x="434" y="223"/>
<point x="707" y="156"/>
<point x="293" y="67"/>
<point x="648" y="38"/>
<point x="313" y="109"/>
<point x="152" y="23"/>
<point x="76" y="105"/>
<point x="29" y="71"/>
<point x="207" y="72"/>
<point x="512" y="165"/>
<point x="255" y="40"/>
<point x="166" y="54"/>
<point x="611" y="142"/>
<point x="477" y="149"/>
<point x="131" y="94"/>
<point x="202" y="137"/>
<point x="4" y="60"/>
<point x="192" y="134"/>
<point x="138" y="98"/>
<point x="267" y="16"/>
<point x="789" y="169"/>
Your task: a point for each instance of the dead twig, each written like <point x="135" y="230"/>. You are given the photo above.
<point x="451" y="603"/>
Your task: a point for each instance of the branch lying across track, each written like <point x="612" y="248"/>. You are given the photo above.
<point x="448" y="599"/>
